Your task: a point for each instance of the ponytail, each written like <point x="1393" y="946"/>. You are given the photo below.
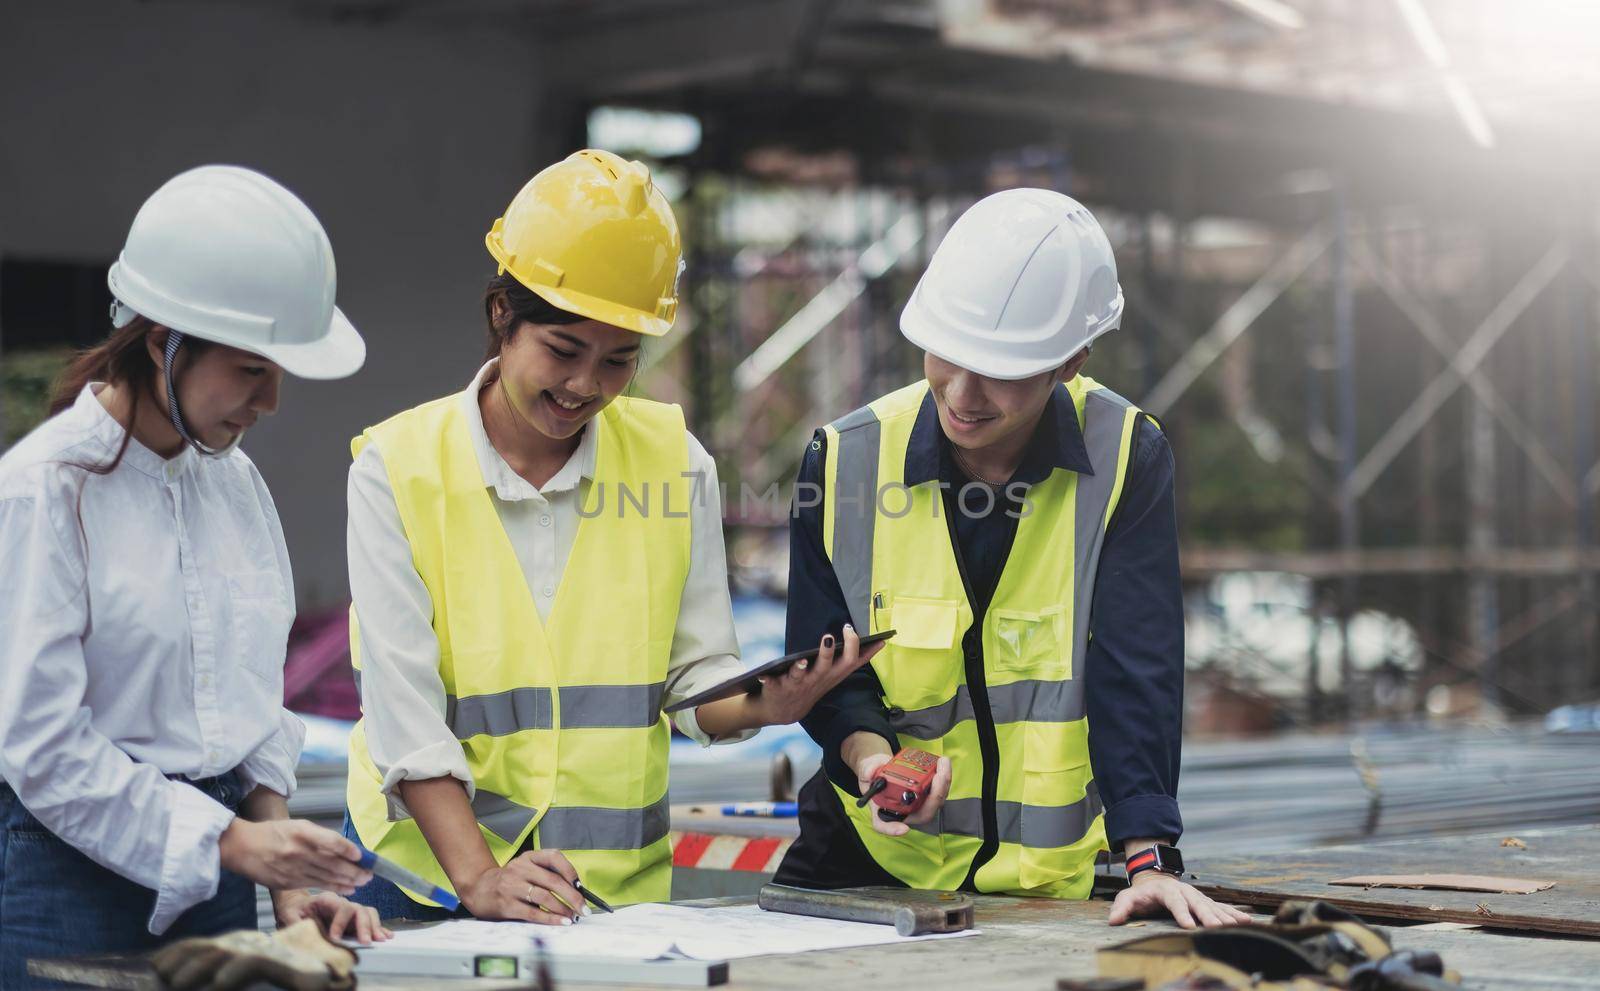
<point x="121" y="359"/>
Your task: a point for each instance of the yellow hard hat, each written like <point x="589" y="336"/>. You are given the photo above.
<point x="593" y="235"/>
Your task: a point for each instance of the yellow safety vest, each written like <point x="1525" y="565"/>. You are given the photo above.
<point x="891" y="550"/>
<point x="560" y="722"/>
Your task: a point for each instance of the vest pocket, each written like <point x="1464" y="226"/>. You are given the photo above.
<point x="921" y="665"/>
<point x="1035" y="644"/>
<point x="1055" y="814"/>
<point x="924" y="624"/>
<point x="907" y="857"/>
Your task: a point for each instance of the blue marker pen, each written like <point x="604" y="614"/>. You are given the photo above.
<point x="774" y="810"/>
<point x="391" y="871"/>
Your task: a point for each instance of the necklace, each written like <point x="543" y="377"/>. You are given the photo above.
<point x="972" y="471"/>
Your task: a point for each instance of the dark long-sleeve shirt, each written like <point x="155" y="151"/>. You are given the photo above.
<point x="1133" y="671"/>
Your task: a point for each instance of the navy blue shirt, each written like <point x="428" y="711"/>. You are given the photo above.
<point x="1133" y="688"/>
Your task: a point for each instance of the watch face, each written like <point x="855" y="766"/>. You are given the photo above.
<point x="1156" y="858"/>
<point x="1168" y="859"/>
<point x="1161" y="857"/>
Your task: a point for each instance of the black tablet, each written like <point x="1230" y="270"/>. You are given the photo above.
<point x="748" y="683"/>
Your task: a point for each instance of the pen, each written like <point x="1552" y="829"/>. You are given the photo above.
<point x="391" y="871"/>
<point x="776" y="810"/>
<point x="563" y="901"/>
<point x="599" y="902"/>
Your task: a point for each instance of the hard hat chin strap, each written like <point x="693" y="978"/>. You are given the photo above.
<point x="174" y="342"/>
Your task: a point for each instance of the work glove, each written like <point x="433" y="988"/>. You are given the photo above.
<point x="1403" y="970"/>
<point x="1309" y="946"/>
<point x="298" y="958"/>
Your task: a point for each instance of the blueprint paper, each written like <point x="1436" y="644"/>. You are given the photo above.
<point x="654" y="932"/>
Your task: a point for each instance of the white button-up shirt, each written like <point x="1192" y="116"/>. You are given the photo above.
<point x="402" y="695"/>
<point x="143" y="622"/>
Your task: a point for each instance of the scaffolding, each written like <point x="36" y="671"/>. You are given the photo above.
<point x="1358" y="242"/>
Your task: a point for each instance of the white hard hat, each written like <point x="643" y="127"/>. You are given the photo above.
<point x="225" y="254"/>
<point x="1022" y="282"/>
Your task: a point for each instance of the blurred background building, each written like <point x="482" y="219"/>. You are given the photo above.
<point x="1358" y="240"/>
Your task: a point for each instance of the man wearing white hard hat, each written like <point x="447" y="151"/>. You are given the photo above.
<point x="145" y="755"/>
<point x="1011" y="520"/>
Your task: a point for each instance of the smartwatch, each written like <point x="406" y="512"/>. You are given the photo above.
<point x="1161" y="857"/>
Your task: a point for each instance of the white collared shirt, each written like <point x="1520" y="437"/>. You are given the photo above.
<point x="142" y="634"/>
<point x="402" y="695"/>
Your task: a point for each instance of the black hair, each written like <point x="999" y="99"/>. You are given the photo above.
<point x="524" y="305"/>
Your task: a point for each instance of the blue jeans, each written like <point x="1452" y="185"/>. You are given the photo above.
<point x="55" y="901"/>
<point x="388" y="899"/>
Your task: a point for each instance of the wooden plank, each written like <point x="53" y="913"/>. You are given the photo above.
<point x="1570" y="857"/>
<point x="1447" y="882"/>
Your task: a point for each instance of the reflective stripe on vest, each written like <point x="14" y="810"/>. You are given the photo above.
<point x="582" y="707"/>
<point x="559" y="721"/>
<point x="575" y="828"/>
<point x="1018" y="702"/>
<point x="1027" y="825"/>
<point x="890" y="549"/>
<point x="501" y="816"/>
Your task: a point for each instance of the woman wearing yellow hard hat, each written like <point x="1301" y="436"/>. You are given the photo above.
<point x="537" y="568"/>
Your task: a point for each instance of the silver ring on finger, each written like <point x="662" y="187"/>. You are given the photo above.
<point x="531" y="898"/>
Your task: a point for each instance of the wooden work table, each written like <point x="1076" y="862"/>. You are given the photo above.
<point x="1025" y="943"/>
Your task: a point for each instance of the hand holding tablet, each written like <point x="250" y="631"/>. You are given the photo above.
<point x="749" y="683"/>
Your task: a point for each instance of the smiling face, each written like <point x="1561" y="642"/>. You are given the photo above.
<point x="558" y="376"/>
<point x="979" y="413"/>
<point x="222" y="390"/>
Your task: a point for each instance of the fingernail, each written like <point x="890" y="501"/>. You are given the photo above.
<point x="849" y="628"/>
<point x="802" y="665"/>
<point x="586" y="910"/>
<point x="566" y="922"/>
<point x="827" y="641"/>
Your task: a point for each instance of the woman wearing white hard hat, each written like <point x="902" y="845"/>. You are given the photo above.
<point x="145" y="602"/>
<point x="537" y="567"/>
<point x="1012" y="520"/>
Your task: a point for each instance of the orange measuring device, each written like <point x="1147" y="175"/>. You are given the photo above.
<point x="900" y="787"/>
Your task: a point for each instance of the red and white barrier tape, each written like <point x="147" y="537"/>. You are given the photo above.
<point x="728" y="853"/>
